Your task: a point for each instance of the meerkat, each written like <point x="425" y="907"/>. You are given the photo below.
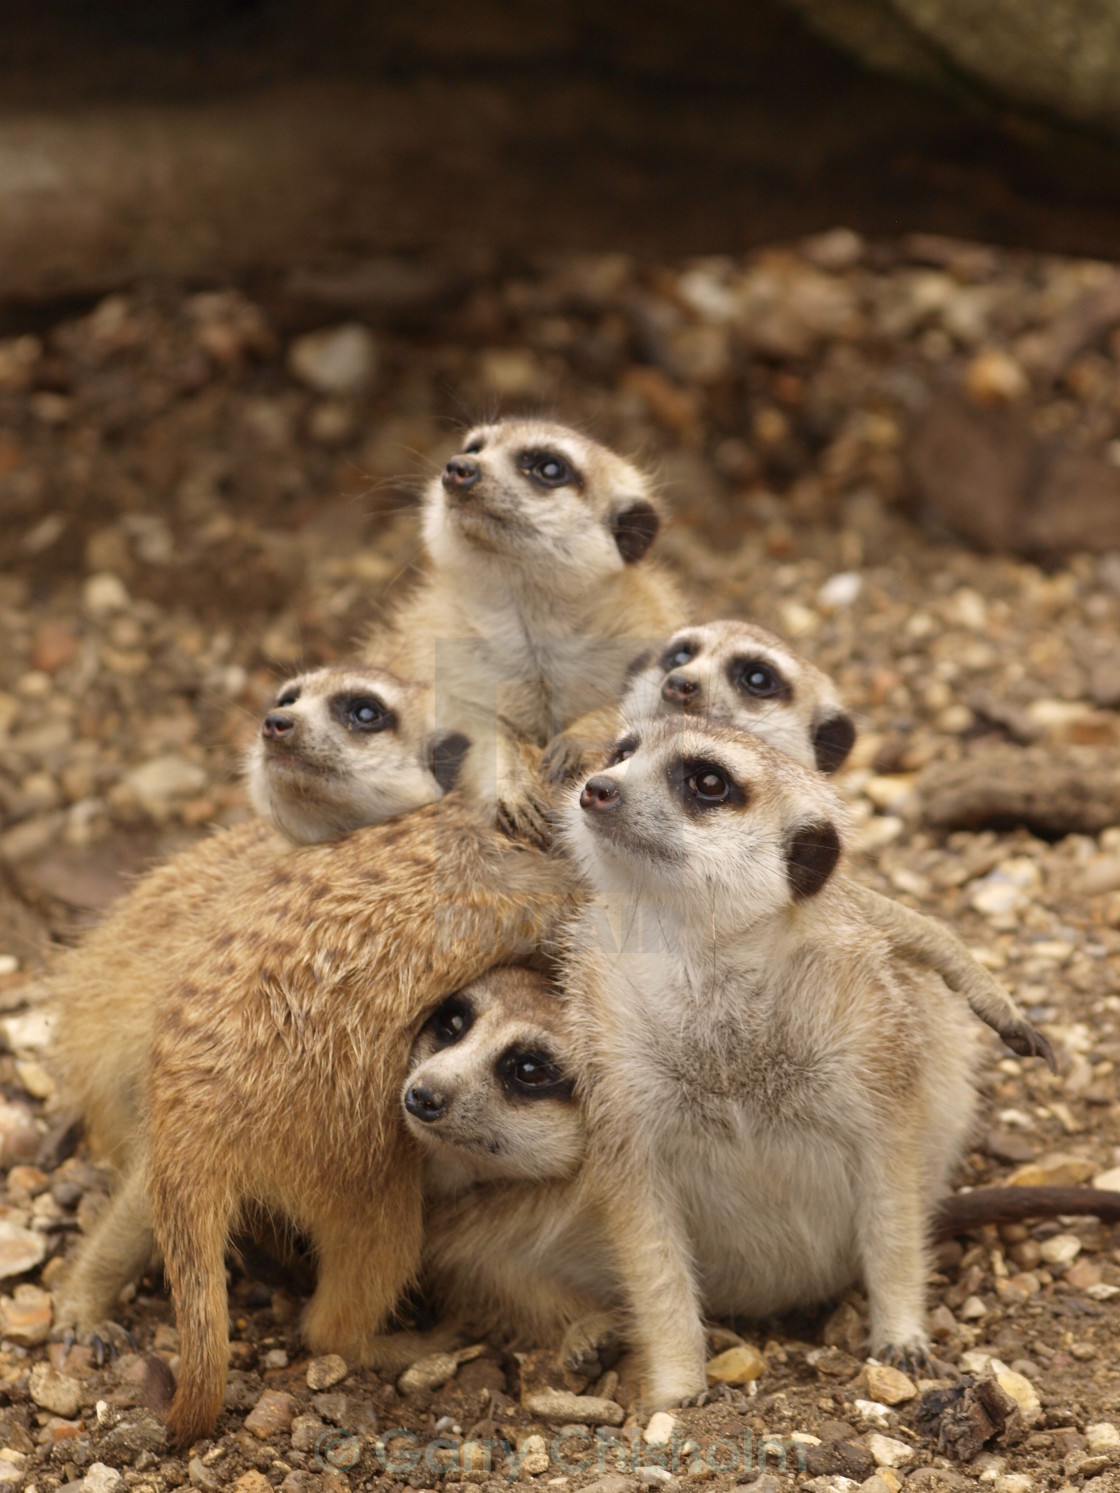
<point x="742" y="674"/>
<point x="539" y="592"/>
<point x="287" y="1015"/>
<point x="344" y="747"/>
<point x="773" y="1108"/>
<point x="512" y="1251"/>
<point x="340" y="748"/>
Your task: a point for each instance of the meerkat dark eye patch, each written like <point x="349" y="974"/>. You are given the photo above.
<point x="449" y="1022"/>
<point x="445" y="758"/>
<point x="363" y="713"/>
<point x="634" y="524"/>
<point x="639" y="665"/>
<point x="548" y="469"/>
<point x="287" y="696"/>
<point x="759" y="680"/>
<point x="623" y="749"/>
<point x="706" y="785"/>
<point x="472" y="448"/>
<point x="811" y="855"/>
<point x="678" y="654"/>
<point x="532" y="1073"/>
<point x="833" y="739"/>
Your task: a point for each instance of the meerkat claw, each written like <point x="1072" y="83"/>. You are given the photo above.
<point x="911" y="1358"/>
<point x="1027" y="1042"/>
<point x="591" y="1345"/>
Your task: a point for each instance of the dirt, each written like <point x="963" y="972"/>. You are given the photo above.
<point x="184" y="519"/>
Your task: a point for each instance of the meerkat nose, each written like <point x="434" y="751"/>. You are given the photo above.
<point x="425" y="1105"/>
<point x="600" y="794"/>
<point x="678" y="690"/>
<point x="277" y="725"/>
<point x="461" y="472"/>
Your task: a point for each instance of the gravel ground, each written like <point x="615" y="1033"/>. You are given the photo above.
<point x="198" y="493"/>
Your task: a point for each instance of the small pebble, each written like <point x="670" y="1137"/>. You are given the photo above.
<point x="557" y="1405"/>
<point x="272" y="1414"/>
<point x="888" y="1452"/>
<point x="326" y="1372"/>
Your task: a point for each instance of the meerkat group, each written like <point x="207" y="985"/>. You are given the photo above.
<point x="690" y="1108"/>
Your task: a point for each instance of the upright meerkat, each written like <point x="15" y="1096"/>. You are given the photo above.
<point x="341" y="747"/>
<point x="742" y="674"/>
<point x="773" y="1107"/>
<point x="539" y="592"/>
<point x="287" y="1015"/>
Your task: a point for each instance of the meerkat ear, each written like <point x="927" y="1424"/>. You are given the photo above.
<point x="811" y="855"/>
<point x="445" y="757"/>
<point x="833" y="739"/>
<point x="634" y="522"/>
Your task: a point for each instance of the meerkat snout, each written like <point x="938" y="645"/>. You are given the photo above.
<point x="743" y="674"/>
<point x="460" y="474"/>
<point x="600" y="795"/>
<point x="488" y="1093"/>
<point x="344" y="747"/>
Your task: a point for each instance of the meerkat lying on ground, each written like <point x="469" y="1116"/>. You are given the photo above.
<point x="539" y="593"/>
<point x="287" y="1014"/>
<point x="748" y="677"/>
<point x="341" y="748"/>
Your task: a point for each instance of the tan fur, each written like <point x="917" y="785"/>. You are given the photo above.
<point x="535" y="601"/>
<point x="290" y="985"/>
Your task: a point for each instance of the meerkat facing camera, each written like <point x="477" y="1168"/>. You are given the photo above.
<point x="341" y="748"/>
<point x="287" y="1015"/>
<point x="773" y="1108"/>
<point x="539" y="593"/>
<point x="742" y="674"/>
<point x="346" y="746"/>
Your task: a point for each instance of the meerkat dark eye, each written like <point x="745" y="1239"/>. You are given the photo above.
<point x="625" y="748"/>
<point x="472" y="448"/>
<point x="287" y="696"/>
<point x="546" y="468"/>
<point x="450" y="1022"/>
<point x="676" y="655"/>
<point x="759" y="679"/>
<point x="532" y="1074"/>
<point x="706" y="785"/>
<point x="363" y="713"/>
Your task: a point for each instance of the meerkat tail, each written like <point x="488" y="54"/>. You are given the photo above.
<point x="925" y="939"/>
<point x="193" y="1237"/>
<point x="965" y="1211"/>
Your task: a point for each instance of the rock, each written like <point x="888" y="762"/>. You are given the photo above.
<point x="271" y="1415"/>
<point x="889" y="1385"/>
<point x="156" y="782"/>
<point x="139" y="1431"/>
<point x="326" y="1372"/>
<point x="305" y="1432"/>
<point x="1016" y="1385"/>
<point x="25" y="1319"/>
<point x="659" y="1432"/>
<point x="846" y="1458"/>
<point x="209" y="1479"/>
<point x="888" y="1452"/>
<point x="557" y="1405"/>
<point x="252" y="1482"/>
<point x="337" y="360"/>
<point x="737" y="1366"/>
<point x="1100" y="875"/>
<point x="1102" y="1436"/>
<point x="101" y="1479"/>
<point x="54" y="646"/>
<point x="19" y="1139"/>
<point x="55" y="1392"/>
<point x="104" y="595"/>
<point x="840" y="590"/>
<point x="654" y="1477"/>
<point x="1057" y="1170"/>
<point x="1109" y="1180"/>
<point x="994" y="377"/>
<point x="533" y="1456"/>
<point x="1060" y="1249"/>
<point x="874" y="1413"/>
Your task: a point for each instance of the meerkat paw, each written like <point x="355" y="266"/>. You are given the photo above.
<point x="707" y="1397"/>
<point x="911" y="1355"/>
<point x="525" y="819"/>
<point x="106" y="1340"/>
<point x="563" y="760"/>
<point x="592" y="1345"/>
<point x="1029" y="1043"/>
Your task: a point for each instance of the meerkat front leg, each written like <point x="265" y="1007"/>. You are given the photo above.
<point x="572" y="752"/>
<point x="649" y="1242"/>
<point x="892" y="1230"/>
<point x="932" y="943"/>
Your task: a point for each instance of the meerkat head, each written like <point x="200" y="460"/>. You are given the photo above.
<point x="488" y="1094"/>
<point x="346" y="746"/>
<point x="703" y="817"/>
<point x="739" y="673"/>
<point x="540" y="500"/>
